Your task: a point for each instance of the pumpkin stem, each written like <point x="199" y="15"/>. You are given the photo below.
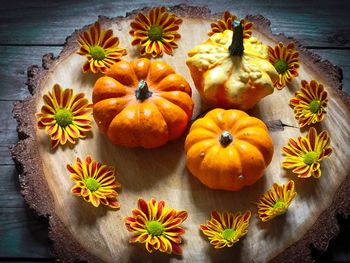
<point x="225" y="138"/>
<point x="142" y="92"/>
<point x="236" y="48"/>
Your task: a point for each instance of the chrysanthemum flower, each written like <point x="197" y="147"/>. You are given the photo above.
<point x="286" y="62"/>
<point x="100" y="47"/>
<point x="95" y="182"/>
<point x="305" y="154"/>
<point x="65" y="117"/>
<point x="225" y="23"/>
<point x="309" y="103"/>
<point x="225" y="229"/>
<point x="276" y="201"/>
<point x="156" y="226"/>
<point x="156" y="32"/>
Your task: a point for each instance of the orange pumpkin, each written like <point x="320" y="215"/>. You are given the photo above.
<point x="140" y="103"/>
<point x="228" y="149"/>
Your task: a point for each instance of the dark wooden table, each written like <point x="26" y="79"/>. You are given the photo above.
<point x="29" y="29"/>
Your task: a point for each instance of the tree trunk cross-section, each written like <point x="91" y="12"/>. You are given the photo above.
<point x="81" y="232"/>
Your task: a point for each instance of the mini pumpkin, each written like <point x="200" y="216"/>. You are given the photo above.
<point x="231" y="72"/>
<point x="228" y="149"/>
<point x="140" y="103"/>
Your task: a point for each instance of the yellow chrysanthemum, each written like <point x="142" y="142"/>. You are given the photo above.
<point x="286" y="61"/>
<point x="156" y="226"/>
<point x="95" y="182"/>
<point x="65" y="117"/>
<point x="225" y="229"/>
<point x="155" y="32"/>
<point x="305" y="154"/>
<point x="100" y="47"/>
<point x="276" y="201"/>
<point x="309" y="103"/>
<point x="225" y="23"/>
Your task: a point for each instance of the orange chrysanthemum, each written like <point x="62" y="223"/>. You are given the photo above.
<point x="305" y="154"/>
<point x="65" y="117"/>
<point x="95" y="182"/>
<point x="225" y="229"/>
<point x="100" y="47"/>
<point x="225" y="23"/>
<point x="309" y="103"/>
<point x="156" y="32"/>
<point x="157" y="226"/>
<point x="276" y="201"/>
<point x="286" y="62"/>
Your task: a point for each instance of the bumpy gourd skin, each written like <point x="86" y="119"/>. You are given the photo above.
<point x="148" y="123"/>
<point x="228" y="167"/>
<point x="231" y="81"/>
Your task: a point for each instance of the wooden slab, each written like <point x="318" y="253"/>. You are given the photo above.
<point x="81" y="232"/>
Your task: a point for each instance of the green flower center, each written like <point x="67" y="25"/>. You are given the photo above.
<point x="97" y="53"/>
<point x="154" y="228"/>
<point x="281" y="66"/>
<point x="92" y="184"/>
<point x="315" y="106"/>
<point x="63" y="117"/>
<point x="155" y="33"/>
<point x="228" y="234"/>
<point x="310" y="158"/>
<point x="278" y="205"/>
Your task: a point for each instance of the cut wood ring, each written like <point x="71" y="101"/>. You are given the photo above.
<point x="34" y="185"/>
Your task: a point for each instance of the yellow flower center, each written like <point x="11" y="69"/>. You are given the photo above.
<point x="315" y="106"/>
<point x="97" y="53"/>
<point x="155" y="33"/>
<point x="310" y="158"/>
<point x="154" y="228"/>
<point x="92" y="184"/>
<point x="228" y="234"/>
<point x="281" y="66"/>
<point x="63" y="117"/>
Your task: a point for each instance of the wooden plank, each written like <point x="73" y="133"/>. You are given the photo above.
<point x="9" y="184"/>
<point x="321" y="23"/>
<point x="8" y="134"/>
<point x="14" y="62"/>
<point x="22" y="234"/>
<point x="5" y="158"/>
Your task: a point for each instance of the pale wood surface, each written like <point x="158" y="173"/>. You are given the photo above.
<point x="161" y="173"/>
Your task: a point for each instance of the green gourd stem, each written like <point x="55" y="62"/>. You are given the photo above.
<point x="225" y="138"/>
<point x="236" y="48"/>
<point x="142" y="92"/>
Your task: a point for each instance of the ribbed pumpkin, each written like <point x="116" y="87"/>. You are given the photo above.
<point x="228" y="149"/>
<point x="232" y="72"/>
<point x="140" y="103"/>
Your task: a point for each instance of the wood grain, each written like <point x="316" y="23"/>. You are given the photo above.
<point x="5" y="158"/>
<point x="14" y="62"/>
<point x="322" y="23"/>
<point x="8" y="125"/>
<point x="18" y="226"/>
<point x="185" y="192"/>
